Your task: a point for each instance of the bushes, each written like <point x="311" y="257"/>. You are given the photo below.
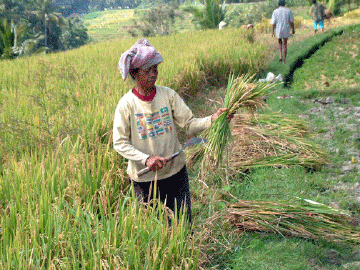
<point x="290" y="3"/>
<point x="264" y="26"/>
<point x="156" y="21"/>
<point x="248" y="14"/>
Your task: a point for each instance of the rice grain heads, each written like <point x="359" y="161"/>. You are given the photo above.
<point x="241" y="93"/>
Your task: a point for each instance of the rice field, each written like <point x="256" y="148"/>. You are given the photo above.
<point x="64" y="198"/>
<point x="109" y="24"/>
<point x="65" y="202"/>
<point x="120" y="23"/>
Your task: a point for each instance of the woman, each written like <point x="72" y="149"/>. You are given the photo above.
<point x="144" y="129"/>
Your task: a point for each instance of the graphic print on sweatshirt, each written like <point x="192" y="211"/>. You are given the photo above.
<point x="150" y="125"/>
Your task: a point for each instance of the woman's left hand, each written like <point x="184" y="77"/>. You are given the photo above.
<point x="219" y="112"/>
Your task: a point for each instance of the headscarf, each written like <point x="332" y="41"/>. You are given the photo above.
<point x="140" y="55"/>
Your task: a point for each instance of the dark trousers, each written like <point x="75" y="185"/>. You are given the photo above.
<point x="173" y="191"/>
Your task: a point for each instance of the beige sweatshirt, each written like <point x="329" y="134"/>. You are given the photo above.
<point x="147" y="128"/>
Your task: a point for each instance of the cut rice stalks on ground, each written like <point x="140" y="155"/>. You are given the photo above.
<point x="241" y="93"/>
<point x="273" y="139"/>
<point x="305" y="219"/>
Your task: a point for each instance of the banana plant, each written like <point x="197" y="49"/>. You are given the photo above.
<point x="6" y="39"/>
<point x="11" y="38"/>
<point x="209" y="16"/>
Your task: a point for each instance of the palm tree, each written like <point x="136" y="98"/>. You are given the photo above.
<point x="210" y="16"/>
<point x="47" y="13"/>
<point x="74" y="33"/>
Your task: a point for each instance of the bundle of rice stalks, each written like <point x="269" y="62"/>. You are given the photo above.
<point x="307" y="220"/>
<point x="269" y="140"/>
<point x="273" y="139"/>
<point x="242" y="92"/>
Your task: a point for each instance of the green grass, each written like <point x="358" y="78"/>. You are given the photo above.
<point x="298" y="53"/>
<point x="272" y="252"/>
<point x="323" y="72"/>
<point x="303" y="12"/>
<point x="92" y="15"/>
<point x="90" y="222"/>
<point x="235" y="250"/>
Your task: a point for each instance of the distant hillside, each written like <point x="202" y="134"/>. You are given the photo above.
<point x="116" y="24"/>
<point x="119" y="23"/>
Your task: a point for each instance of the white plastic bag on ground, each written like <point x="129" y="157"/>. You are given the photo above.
<point x="278" y="78"/>
<point x="270" y="77"/>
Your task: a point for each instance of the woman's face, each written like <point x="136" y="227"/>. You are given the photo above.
<point x="146" y="78"/>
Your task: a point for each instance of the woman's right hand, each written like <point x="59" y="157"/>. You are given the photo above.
<point x="156" y="163"/>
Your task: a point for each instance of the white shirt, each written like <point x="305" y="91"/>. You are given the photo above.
<point x="147" y="128"/>
<point x="281" y="18"/>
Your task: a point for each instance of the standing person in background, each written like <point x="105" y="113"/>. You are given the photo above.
<point x="144" y="130"/>
<point x="317" y="12"/>
<point x="282" y="19"/>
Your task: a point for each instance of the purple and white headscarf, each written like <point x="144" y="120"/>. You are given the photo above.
<point x="140" y="55"/>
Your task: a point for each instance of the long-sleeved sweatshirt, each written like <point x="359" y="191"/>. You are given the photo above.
<point x="147" y="128"/>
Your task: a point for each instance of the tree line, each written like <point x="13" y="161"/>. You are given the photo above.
<point x="34" y="26"/>
<point x="41" y="26"/>
<point x="84" y="6"/>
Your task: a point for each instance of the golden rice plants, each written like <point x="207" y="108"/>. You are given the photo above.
<point x="298" y="22"/>
<point x="264" y="26"/>
<point x="353" y="14"/>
